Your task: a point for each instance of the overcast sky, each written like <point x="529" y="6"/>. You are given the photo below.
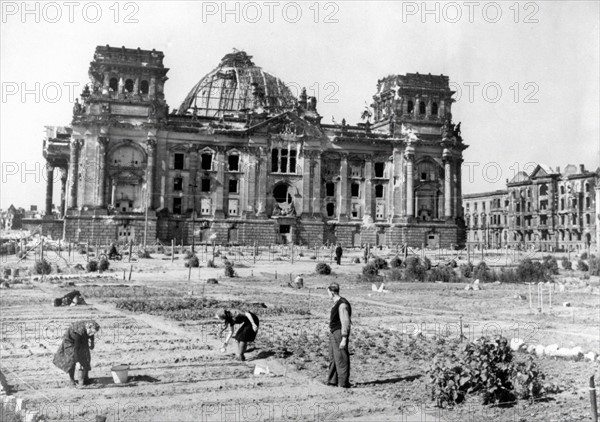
<point x="542" y="56"/>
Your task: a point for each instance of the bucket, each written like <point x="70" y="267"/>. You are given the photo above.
<point x="119" y="373"/>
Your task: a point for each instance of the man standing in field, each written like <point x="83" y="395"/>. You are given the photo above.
<point x="338" y="253"/>
<point x="339" y="327"/>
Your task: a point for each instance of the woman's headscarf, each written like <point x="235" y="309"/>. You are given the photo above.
<point x="91" y="327"/>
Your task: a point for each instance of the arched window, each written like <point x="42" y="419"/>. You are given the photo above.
<point x="129" y="85"/>
<point x="378" y="191"/>
<point x="544" y="189"/>
<point x="410" y="106"/>
<point x="434" y="109"/>
<point x="144" y="86"/>
<point x="562" y="190"/>
<point x="587" y="219"/>
<point x="113" y="84"/>
<point x="421" y="107"/>
<point x="562" y="204"/>
<point x="587" y="187"/>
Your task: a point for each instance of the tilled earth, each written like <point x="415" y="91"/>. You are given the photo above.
<point x="178" y="373"/>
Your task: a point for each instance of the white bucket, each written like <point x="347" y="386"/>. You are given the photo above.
<point x="119" y="374"/>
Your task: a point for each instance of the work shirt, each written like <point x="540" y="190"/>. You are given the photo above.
<point x="342" y="318"/>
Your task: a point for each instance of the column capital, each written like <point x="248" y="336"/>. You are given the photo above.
<point x="77" y="142"/>
<point x="151" y="143"/>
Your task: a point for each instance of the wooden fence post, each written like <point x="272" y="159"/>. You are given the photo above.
<point x="593" y="402"/>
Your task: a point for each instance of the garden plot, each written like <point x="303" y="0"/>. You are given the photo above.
<point x="177" y="372"/>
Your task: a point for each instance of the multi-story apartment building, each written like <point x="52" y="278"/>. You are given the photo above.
<point x="546" y="209"/>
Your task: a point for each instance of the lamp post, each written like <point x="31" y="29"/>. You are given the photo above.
<point x="146" y="216"/>
<point x="193" y="186"/>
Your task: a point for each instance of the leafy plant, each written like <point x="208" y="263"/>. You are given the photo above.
<point x="395" y="262"/>
<point x="414" y="269"/>
<point x="427" y="263"/>
<point x="92" y="266"/>
<point x="323" y="269"/>
<point x="466" y="270"/>
<point x="211" y="264"/>
<point x="379" y="263"/>
<point x="229" y="271"/>
<point x="42" y="267"/>
<point x="193" y="262"/>
<point x="103" y="265"/>
<point x="370" y="269"/>
<point x="444" y="274"/>
<point x="531" y="271"/>
<point x="582" y="266"/>
<point x="594" y="266"/>
<point x="550" y="264"/>
<point x="484" y="367"/>
<point x="482" y="272"/>
<point x="566" y="264"/>
<point x="584" y="255"/>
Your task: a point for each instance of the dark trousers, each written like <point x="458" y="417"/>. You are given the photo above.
<point x="338" y="259"/>
<point x="339" y="361"/>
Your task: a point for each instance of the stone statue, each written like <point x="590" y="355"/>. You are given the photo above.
<point x="77" y="108"/>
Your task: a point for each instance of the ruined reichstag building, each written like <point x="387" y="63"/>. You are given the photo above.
<point x="242" y="160"/>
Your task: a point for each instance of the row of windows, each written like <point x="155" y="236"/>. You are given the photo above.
<point x="354" y="190"/>
<point x="206" y="162"/>
<point x="206" y="206"/>
<point x="113" y="85"/>
<point x="355" y="211"/>
<point x="205" y="185"/>
<point x="410" y="107"/>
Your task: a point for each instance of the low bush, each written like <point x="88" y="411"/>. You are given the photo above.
<point x="193" y="262"/>
<point x="92" y="266"/>
<point x="323" y="269"/>
<point x="229" y="271"/>
<point x="550" y="264"/>
<point x="466" y="270"/>
<point x="531" y="271"/>
<point x="395" y="262"/>
<point x="188" y="254"/>
<point x="452" y="263"/>
<point x="379" y="263"/>
<point x="42" y="267"/>
<point x="414" y="271"/>
<point x="211" y="264"/>
<point x="584" y="255"/>
<point x="566" y="264"/>
<point x="356" y="260"/>
<point x="395" y="274"/>
<point x="484" y="367"/>
<point x="103" y="264"/>
<point x="582" y="266"/>
<point x="444" y="274"/>
<point x="370" y="269"/>
<point x="483" y="272"/>
<point x="594" y="266"/>
<point x="427" y="263"/>
<point x="506" y="275"/>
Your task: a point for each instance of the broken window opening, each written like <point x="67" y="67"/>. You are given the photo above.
<point x="355" y="190"/>
<point x="178" y="161"/>
<point x="233" y="161"/>
<point x="379" y="168"/>
<point x="330" y="189"/>
<point x="178" y="184"/>
<point x="233" y="186"/>
<point x="206" y="161"/>
<point x="205" y="185"/>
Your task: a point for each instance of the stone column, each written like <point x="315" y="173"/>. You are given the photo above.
<point x="306" y="181"/>
<point x="219" y="213"/>
<point x="315" y="196"/>
<point x="261" y="198"/>
<point x="150" y="150"/>
<point x="102" y="144"/>
<point x="63" y="190"/>
<point x="73" y="172"/>
<point x="193" y="152"/>
<point x="49" y="187"/>
<point x="369" y="187"/>
<point x="249" y="176"/>
<point x="447" y="184"/>
<point x="396" y="182"/>
<point x="409" y="155"/>
<point x="152" y="87"/>
<point x="113" y="193"/>
<point x="136" y="86"/>
<point x="458" y="211"/>
<point x="343" y="189"/>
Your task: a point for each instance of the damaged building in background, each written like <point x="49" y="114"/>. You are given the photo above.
<point x="242" y="160"/>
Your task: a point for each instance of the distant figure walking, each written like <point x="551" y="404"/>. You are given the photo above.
<point x="339" y="326"/>
<point x="75" y="348"/>
<point x="338" y="253"/>
<point x="245" y="334"/>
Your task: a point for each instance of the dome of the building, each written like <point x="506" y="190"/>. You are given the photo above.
<point x="237" y="84"/>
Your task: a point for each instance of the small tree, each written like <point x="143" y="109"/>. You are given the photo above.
<point x="414" y="269"/>
<point x="566" y="264"/>
<point x="380" y="263"/>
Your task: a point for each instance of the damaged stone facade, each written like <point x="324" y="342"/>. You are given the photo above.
<point x="242" y="160"/>
<point x="548" y="210"/>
